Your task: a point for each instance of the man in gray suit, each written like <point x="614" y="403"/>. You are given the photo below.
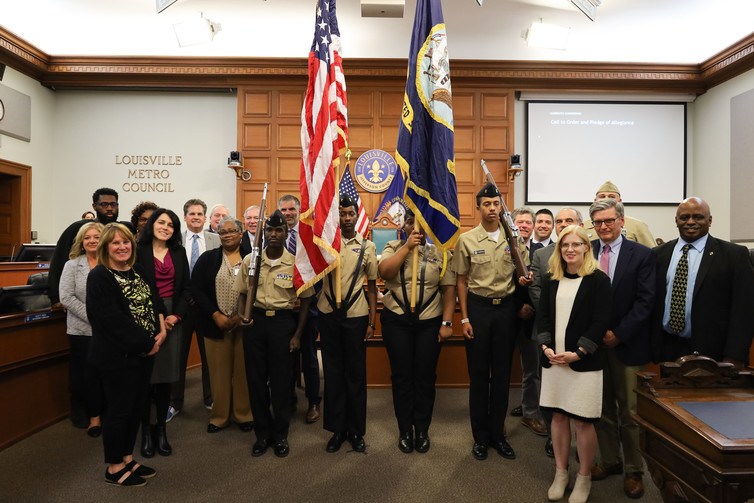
<point x="196" y="240"/>
<point x="564" y="218"/>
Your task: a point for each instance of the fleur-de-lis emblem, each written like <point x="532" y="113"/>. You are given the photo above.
<point x="376" y="172"/>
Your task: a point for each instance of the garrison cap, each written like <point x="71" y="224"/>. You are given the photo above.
<point x="489" y="190"/>
<point x="608" y="187"/>
<point x="346" y="201"/>
<point x="276" y="220"/>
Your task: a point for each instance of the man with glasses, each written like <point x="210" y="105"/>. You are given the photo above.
<point x="564" y="218"/>
<point x="705" y="292"/>
<point x="631" y="268"/>
<point x="250" y="219"/>
<point x="633" y="228"/>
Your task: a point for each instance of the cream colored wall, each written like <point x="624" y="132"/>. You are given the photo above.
<point x="80" y="137"/>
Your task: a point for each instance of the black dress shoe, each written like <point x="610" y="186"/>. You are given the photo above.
<point x="422" y="442"/>
<point x="548" y="448"/>
<point x="406" y="442"/>
<point x="247" y="426"/>
<point x="281" y="448"/>
<point x="260" y="447"/>
<point x="517" y="411"/>
<point x="161" y="441"/>
<point x="337" y="439"/>
<point x="357" y="443"/>
<point x="147" y="442"/>
<point x="94" y="431"/>
<point x="504" y="449"/>
<point x="479" y="451"/>
<point x="211" y="428"/>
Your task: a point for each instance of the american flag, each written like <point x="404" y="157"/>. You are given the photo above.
<point x="347" y="187"/>
<point x="324" y="128"/>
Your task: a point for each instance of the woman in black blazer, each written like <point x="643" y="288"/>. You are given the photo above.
<point x="217" y="321"/>
<point x="127" y="329"/>
<point x="573" y="317"/>
<point x="163" y="258"/>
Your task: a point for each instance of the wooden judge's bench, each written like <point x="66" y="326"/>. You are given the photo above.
<point x="697" y="430"/>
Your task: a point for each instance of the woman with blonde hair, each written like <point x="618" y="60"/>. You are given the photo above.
<point x="127" y="330"/>
<point x="573" y="317"/>
<point x="85" y="386"/>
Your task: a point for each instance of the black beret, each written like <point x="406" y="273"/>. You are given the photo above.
<point x="489" y="190"/>
<point x="276" y="219"/>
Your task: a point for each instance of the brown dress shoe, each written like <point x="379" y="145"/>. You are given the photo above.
<point x="312" y="414"/>
<point x="535" y="425"/>
<point x="599" y="472"/>
<point x="633" y="486"/>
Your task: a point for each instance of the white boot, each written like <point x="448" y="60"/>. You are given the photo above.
<point x="581" y="489"/>
<point x="558" y="487"/>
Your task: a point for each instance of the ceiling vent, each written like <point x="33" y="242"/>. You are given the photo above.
<point x="382" y="8"/>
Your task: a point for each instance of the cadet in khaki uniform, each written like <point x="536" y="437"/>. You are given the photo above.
<point x="486" y="287"/>
<point x="633" y="228"/>
<point x="412" y="339"/>
<point x="272" y="337"/>
<point x="343" y="332"/>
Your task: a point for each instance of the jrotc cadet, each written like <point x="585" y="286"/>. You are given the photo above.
<point x="412" y="338"/>
<point x="633" y="228"/>
<point x="271" y="338"/>
<point x="343" y="332"/>
<point x="486" y="286"/>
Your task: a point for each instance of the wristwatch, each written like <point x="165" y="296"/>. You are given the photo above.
<point x="447" y="323"/>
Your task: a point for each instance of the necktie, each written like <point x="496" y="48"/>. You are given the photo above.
<point x="292" y="242"/>
<point x="605" y="259"/>
<point x="677" y="320"/>
<point x="535" y="247"/>
<point x="194" y="252"/>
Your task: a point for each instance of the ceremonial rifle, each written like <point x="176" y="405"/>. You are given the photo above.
<point x="511" y="231"/>
<point x="255" y="261"/>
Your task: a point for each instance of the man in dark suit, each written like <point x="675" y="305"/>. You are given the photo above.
<point x="195" y="216"/>
<point x="631" y="268"/>
<point x="250" y="220"/>
<point x="712" y="310"/>
<point x="539" y="266"/>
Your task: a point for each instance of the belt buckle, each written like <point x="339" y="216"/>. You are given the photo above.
<point x="269" y="313"/>
<point x="496" y="302"/>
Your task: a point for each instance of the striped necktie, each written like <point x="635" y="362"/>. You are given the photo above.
<point x="291" y="244"/>
<point x="677" y="320"/>
<point x="194" y="252"/>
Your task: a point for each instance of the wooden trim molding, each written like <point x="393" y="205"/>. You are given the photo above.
<point x="126" y="72"/>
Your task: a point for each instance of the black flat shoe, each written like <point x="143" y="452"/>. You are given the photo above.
<point x="282" y="449"/>
<point x="246" y="427"/>
<point x="94" y="431"/>
<point x="161" y="441"/>
<point x="406" y="442"/>
<point x="260" y="447"/>
<point x="504" y="449"/>
<point x="140" y="470"/>
<point x="124" y="478"/>
<point x="421" y="444"/>
<point x="211" y="428"/>
<point x="147" y="442"/>
<point x="357" y="443"/>
<point x="479" y="451"/>
<point x="549" y="451"/>
<point x="333" y="445"/>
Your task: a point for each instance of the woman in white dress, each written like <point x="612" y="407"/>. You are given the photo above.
<point x="573" y="317"/>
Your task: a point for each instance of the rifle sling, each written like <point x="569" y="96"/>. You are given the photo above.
<point x="349" y="299"/>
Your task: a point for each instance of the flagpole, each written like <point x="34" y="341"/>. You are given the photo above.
<point x="338" y="289"/>
<point x="414" y="273"/>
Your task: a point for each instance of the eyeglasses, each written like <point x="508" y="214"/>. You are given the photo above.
<point x="608" y="221"/>
<point x="225" y="233"/>
<point x="575" y="246"/>
<point x="104" y="204"/>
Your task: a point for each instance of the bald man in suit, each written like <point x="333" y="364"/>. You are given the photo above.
<point x="717" y="317"/>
